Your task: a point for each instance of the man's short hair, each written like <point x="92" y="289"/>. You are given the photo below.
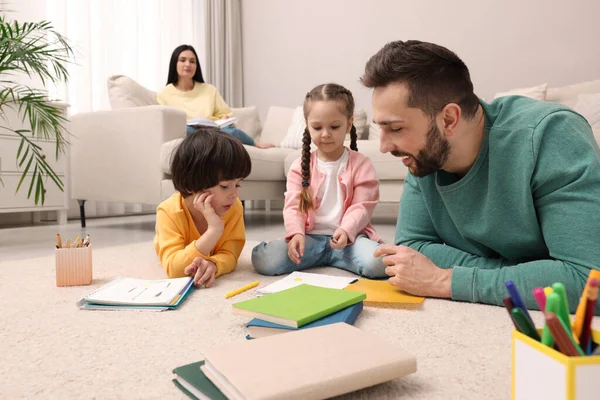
<point x="434" y="75"/>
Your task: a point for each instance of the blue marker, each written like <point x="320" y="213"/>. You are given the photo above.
<point x="516" y="298"/>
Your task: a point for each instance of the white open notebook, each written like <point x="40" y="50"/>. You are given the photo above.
<point x="140" y="292"/>
<point x="298" y="278"/>
<point x="220" y="123"/>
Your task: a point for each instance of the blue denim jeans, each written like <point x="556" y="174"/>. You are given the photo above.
<point x="272" y="258"/>
<point x="233" y="131"/>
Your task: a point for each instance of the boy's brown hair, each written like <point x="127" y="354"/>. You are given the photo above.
<point x="205" y="158"/>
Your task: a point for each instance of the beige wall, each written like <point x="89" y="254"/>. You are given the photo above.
<point x="290" y="46"/>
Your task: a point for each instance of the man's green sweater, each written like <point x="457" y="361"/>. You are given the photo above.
<point x="528" y="210"/>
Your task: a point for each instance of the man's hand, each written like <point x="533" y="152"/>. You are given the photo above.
<point x="296" y="248"/>
<point x="202" y="204"/>
<point x="203" y="271"/>
<point x="414" y="273"/>
<point x="339" y="240"/>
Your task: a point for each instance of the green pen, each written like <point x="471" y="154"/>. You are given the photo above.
<point x="524" y="323"/>
<point x="563" y="309"/>
<point x="552" y="305"/>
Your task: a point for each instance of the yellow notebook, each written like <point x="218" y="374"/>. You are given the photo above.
<point x="382" y="292"/>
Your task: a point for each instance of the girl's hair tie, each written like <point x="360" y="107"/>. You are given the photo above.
<point x="305" y="184"/>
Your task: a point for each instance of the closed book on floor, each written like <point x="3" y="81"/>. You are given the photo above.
<point x="313" y="363"/>
<point x="382" y="292"/>
<point x="259" y="328"/>
<point x="298" y="306"/>
<point x="191" y="380"/>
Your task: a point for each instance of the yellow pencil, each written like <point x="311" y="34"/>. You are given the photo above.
<point x="242" y="289"/>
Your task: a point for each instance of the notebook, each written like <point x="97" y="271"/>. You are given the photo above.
<point x="382" y="292"/>
<point x="297" y="278"/>
<point x="138" y="294"/>
<point x="191" y="380"/>
<point x="259" y="328"/>
<point x="220" y="123"/>
<point x="297" y="306"/>
<point x="313" y="363"/>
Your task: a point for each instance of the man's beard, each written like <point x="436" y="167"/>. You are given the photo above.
<point x="432" y="157"/>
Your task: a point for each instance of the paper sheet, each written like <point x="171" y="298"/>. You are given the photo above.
<point x="297" y="278"/>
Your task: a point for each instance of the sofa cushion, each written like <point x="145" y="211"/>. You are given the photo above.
<point x="588" y="105"/>
<point x="387" y="167"/>
<point x="535" y="92"/>
<point x="295" y="131"/>
<point x="567" y="95"/>
<point x="276" y="124"/>
<point x="248" y="120"/>
<point x="124" y="92"/>
<point x="167" y="150"/>
<point x="360" y="123"/>
<point x="267" y="164"/>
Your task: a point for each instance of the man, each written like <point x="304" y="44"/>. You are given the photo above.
<point x="503" y="191"/>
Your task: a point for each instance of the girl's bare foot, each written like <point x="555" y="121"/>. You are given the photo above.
<point x="262" y="145"/>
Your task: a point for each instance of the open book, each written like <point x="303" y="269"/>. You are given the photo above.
<point x="131" y="293"/>
<point x="220" y="123"/>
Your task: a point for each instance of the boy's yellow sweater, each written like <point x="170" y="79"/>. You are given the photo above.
<point x="176" y="235"/>
<point x="203" y="101"/>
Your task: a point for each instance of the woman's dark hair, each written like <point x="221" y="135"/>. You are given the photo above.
<point x="205" y="158"/>
<point x="173" y="77"/>
<point x="325" y="92"/>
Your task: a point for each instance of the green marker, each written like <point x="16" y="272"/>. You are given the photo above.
<point x="552" y="305"/>
<point x="563" y="309"/>
<point x="524" y="323"/>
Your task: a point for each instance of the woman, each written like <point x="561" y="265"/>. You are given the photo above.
<point x="187" y="91"/>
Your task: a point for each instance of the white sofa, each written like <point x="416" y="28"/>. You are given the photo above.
<point x="123" y="154"/>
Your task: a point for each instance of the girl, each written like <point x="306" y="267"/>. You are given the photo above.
<point x="200" y="230"/>
<point x="330" y="197"/>
<point x="187" y="90"/>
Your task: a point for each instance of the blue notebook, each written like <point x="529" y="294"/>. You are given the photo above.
<point x="259" y="328"/>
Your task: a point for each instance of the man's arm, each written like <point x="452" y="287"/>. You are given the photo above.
<point x="566" y="190"/>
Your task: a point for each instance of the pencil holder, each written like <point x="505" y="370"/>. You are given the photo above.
<point x="74" y="266"/>
<point x="540" y="372"/>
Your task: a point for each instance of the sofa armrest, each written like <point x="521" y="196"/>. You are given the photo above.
<point x="115" y="154"/>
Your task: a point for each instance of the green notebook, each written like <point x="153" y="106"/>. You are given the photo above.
<point x="298" y="306"/>
<point x="191" y="380"/>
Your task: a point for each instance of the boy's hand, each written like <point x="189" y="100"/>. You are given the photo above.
<point x="204" y="271"/>
<point x="296" y="248"/>
<point x="339" y="240"/>
<point x="202" y="204"/>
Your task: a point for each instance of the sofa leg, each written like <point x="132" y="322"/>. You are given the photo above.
<point x="82" y="212"/>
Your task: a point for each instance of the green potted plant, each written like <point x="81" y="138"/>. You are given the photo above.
<point x="35" y="49"/>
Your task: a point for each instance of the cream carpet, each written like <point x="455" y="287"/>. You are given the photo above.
<point x="52" y="350"/>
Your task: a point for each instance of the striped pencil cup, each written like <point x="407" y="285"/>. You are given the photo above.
<point x="74" y="266"/>
<point x="540" y="372"/>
